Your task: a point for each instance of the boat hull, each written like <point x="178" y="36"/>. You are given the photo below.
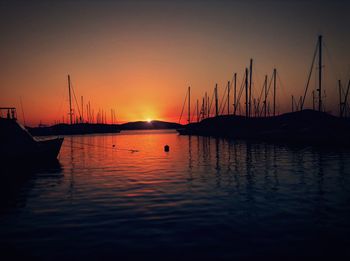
<point x="17" y="145"/>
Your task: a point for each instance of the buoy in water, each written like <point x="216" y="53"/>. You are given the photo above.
<point x="166" y="148"/>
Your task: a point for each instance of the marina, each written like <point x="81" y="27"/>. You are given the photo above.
<point x="300" y="126"/>
<point x="174" y="130"/>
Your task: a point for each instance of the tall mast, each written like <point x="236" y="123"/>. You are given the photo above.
<point x="111" y="116"/>
<point x="90" y="115"/>
<point x="340" y="102"/>
<point x="205" y="106"/>
<point x="320" y="72"/>
<point x="70" y="101"/>
<point x="344" y="107"/>
<point x="216" y="100"/>
<point x="292" y="103"/>
<point x="197" y="112"/>
<point x="82" y="109"/>
<point x="228" y="98"/>
<point x="313" y="100"/>
<point x="234" y="94"/>
<point x="208" y="106"/>
<point x="265" y="104"/>
<point x="189" y="104"/>
<point x="203" y="109"/>
<point x="274" y="92"/>
<point x="250" y="85"/>
<point x="246" y="93"/>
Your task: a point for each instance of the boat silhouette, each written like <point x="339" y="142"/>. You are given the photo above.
<point x="257" y="122"/>
<point x="18" y="145"/>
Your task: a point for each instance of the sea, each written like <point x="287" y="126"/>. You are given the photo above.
<point x="123" y="197"/>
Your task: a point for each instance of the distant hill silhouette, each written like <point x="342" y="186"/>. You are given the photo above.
<point x="87" y="128"/>
<point x="145" y="125"/>
<point x="67" y="129"/>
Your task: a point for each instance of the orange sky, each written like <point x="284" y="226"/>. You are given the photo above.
<point x="140" y="58"/>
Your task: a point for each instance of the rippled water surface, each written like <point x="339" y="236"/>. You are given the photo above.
<point x="122" y="196"/>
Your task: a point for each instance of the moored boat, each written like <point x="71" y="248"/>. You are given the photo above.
<point x="18" y="145"/>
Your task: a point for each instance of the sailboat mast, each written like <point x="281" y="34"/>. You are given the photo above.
<point x="274" y="92"/>
<point x="265" y="104"/>
<point x="70" y="101"/>
<point x="344" y="107"/>
<point x="246" y="92"/>
<point x="340" y="102"/>
<point x="206" y="106"/>
<point x="197" y="112"/>
<point x="189" y="104"/>
<point x="228" y="98"/>
<point x="216" y="100"/>
<point x="320" y="72"/>
<point x="234" y="94"/>
<point x="250" y="85"/>
<point x="203" y="109"/>
<point x="82" y="109"/>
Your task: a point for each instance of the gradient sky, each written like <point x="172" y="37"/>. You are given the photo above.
<point x="138" y="57"/>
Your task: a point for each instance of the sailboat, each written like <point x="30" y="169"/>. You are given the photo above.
<point x="18" y="145"/>
<point x="305" y="126"/>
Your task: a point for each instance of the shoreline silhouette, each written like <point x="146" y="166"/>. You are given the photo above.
<point x="92" y="128"/>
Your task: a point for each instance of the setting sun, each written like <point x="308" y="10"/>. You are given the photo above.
<point x="149" y="120"/>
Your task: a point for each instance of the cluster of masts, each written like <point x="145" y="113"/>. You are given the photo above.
<point x="253" y="106"/>
<point x="261" y="106"/>
<point x="79" y="115"/>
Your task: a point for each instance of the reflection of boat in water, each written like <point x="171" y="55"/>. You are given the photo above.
<point x="17" y="144"/>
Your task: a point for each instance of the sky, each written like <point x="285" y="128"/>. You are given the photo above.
<point x="139" y="57"/>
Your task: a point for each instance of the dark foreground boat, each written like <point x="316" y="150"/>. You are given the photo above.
<point x="18" y="145"/>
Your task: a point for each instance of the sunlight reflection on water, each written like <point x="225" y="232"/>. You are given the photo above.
<point x="206" y="198"/>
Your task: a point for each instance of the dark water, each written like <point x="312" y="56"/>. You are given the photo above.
<point x="205" y="199"/>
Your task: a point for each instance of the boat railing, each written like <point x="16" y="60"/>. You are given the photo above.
<point x="8" y="113"/>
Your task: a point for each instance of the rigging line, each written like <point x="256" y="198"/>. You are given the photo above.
<point x="211" y="102"/>
<point x="241" y="89"/>
<point x="261" y="93"/>
<point x="346" y="95"/>
<point x="63" y="95"/>
<point x="308" y="80"/>
<point x="194" y="113"/>
<point x="183" y="107"/>
<point x="82" y="148"/>
<point x="75" y="98"/>
<point x="232" y="90"/>
<point x="222" y="99"/>
<point x="24" y="119"/>
<point x="316" y="76"/>
<point x="332" y="65"/>
<point x="103" y="147"/>
<point x="268" y="89"/>
<point x="223" y="107"/>
<point x="256" y="75"/>
<point x="283" y="88"/>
